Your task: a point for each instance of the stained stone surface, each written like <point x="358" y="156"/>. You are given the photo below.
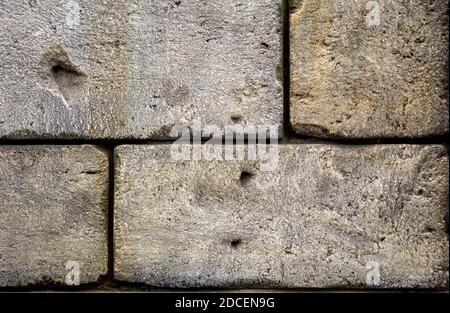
<point x="135" y="69"/>
<point x="369" y="69"/>
<point x="53" y="213"/>
<point x="326" y="216"/>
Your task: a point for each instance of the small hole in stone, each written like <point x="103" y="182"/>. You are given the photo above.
<point x="89" y="172"/>
<point x="235" y="244"/>
<point x="245" y="177"/>
<point x="420" y="192"/>
<point x="236" y="118"/>
<point x="57" y="68"/>
<point x="429" y="229"/>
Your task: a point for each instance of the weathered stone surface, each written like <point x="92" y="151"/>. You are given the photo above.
<point x="53" y="210"/>
<point x="352" y="78"/>
<point x="326" y="217"/>
<point x="134" y="69"/>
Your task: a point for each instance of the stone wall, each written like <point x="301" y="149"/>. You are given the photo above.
<point x="223" y="144"/>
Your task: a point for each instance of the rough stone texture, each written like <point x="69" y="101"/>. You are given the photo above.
<point x="134" y="69"/>
<point x="353" y="80"/>
<point x="53" y="209"/>
<point x="318" y="220"/>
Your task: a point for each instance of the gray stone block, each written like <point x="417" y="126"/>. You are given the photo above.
<point x="326" y="216"/>
<point x="53" y="215"/>
<point x="135" y="69"/>
<point x="369" y="69"/>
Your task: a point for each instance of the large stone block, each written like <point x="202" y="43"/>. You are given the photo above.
<point x="53" y="215"/>
<point x="326" y="216"/>
<point x="134" y="69"/>
<point x="369" y="69"/>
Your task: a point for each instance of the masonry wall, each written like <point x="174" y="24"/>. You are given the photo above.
<point x="117" y="171"/>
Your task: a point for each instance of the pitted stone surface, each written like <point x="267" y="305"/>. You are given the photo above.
<point x="53" y="215"/>
<point x="369" y="69"/>
<point x="135" y="69"/>
<point x="327" y="216"/>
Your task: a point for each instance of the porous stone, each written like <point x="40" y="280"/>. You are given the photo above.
<point x="53" y="215"/>
<point x="136" y="69"/>
<point x="369" y="69"/>
<point x="326" y="216"/>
